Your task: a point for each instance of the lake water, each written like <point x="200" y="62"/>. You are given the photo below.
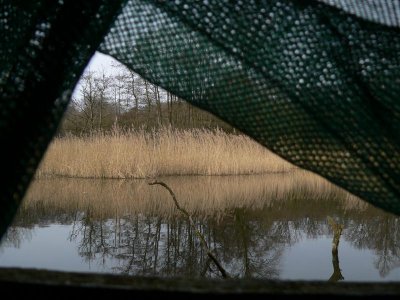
<point x="263" y="226"/>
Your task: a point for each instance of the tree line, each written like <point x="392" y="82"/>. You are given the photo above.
<point x="126" y="100"/>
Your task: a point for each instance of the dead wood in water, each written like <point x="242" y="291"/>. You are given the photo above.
<point x="337" y="232"/>
<point x="198" y="233"/>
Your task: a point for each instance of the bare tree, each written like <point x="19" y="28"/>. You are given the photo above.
<point x="88" y="103"/>
<point x="158" y="103"/>
<point x="102" y="84"/>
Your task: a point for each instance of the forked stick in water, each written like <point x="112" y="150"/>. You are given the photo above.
<point x="198" y="233"/>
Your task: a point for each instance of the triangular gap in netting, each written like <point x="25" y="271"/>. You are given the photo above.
<point x="316" y="84"/>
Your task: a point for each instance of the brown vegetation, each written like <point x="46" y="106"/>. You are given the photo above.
<point x="200" y="195"/>
<point x="137" y="153"/>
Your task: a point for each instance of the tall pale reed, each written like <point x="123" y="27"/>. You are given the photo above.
<point x="140" y="154"/>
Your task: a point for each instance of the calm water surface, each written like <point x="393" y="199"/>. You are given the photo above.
<point x="270" y="226"/>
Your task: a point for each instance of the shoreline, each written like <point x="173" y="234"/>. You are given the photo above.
<point x="49" y="176"/>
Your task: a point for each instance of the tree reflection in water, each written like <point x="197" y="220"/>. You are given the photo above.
<point x="337" y="232"/>
<point x="249" y="220"/>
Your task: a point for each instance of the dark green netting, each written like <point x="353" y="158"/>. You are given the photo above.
<point x="317" y="82"/>
<point x="45" y="46"/>
<point x="313" y="83"/>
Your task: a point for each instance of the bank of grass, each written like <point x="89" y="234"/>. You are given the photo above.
<point x="143" y="154"/>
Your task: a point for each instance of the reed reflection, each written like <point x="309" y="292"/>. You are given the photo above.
<point x="248" y="220"/>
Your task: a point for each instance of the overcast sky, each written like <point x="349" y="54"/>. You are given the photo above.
<point x="98" y="63"/>
<point x="101" y="61"/>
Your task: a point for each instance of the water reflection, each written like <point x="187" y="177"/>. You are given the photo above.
<point x="250" y="221"/>
<point x="337" y="229"/>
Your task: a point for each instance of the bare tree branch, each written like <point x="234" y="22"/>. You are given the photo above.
<point x="198" y="233"/>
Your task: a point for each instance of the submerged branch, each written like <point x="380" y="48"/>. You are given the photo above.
<point x="337" y="231"/>
<point x="198" y="233"/>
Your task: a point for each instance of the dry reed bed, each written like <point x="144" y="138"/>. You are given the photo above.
<point x="200" y="195"/>
<point x="141" y="154"/>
